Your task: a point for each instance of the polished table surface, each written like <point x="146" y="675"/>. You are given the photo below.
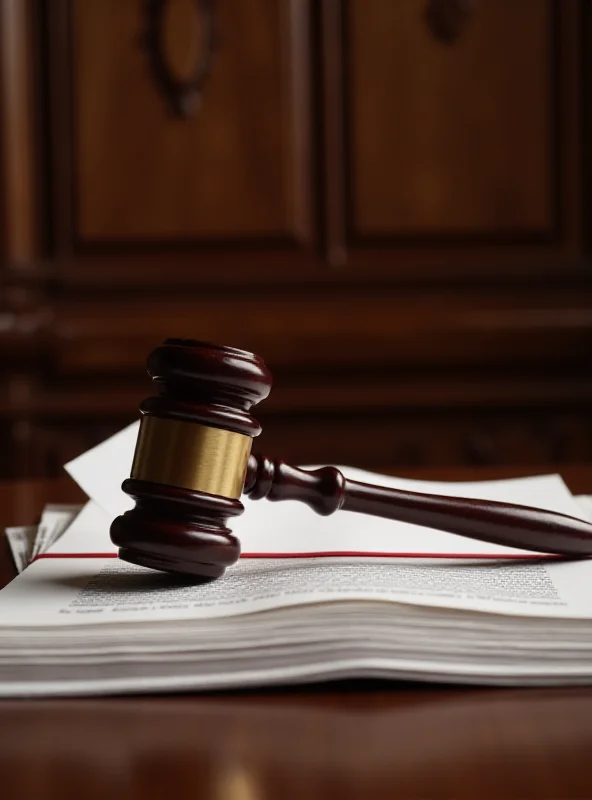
<point x="343" y="740"/>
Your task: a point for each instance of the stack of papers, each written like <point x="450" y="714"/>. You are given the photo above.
<point x="26" y="542"/>
<point x="313" y="598"/>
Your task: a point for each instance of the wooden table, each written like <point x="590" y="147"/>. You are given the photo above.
<point x="349" y="740"/>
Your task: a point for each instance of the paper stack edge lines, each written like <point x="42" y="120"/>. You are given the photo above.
<point x="311" y="599"/>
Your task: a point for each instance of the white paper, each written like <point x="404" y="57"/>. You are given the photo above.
<point x="55" y="518"/>
<point x="101" y="470"/>
<point x="21" y="541"/>
<point x="27" y="542"/>
<point x="95" y="590"/>
<point x="292" y="529"/>
<point x="584" y="501"/>
<point x="89" y="532"/>
<point x="80" y="621"/>
<point x="92" y="626"/>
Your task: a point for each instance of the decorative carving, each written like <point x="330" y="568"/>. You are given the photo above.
<point x="181" y="91"/>
<point x="448" y="18"/>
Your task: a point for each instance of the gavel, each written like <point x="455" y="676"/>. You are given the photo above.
<point x="192" y="463"/>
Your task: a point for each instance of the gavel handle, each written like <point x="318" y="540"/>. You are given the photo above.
<point x="326" y="490"/>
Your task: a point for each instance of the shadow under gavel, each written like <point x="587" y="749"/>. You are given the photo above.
<point x="192" y="463"/>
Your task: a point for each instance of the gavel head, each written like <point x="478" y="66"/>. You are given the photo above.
<point x="191" y="458"/>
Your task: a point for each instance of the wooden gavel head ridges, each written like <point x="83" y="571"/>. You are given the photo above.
<point x="191" y="458"/>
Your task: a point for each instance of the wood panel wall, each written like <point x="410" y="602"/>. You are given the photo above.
<point x="386" y="199"/>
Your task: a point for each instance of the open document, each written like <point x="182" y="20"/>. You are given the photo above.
<point x="313" y="599"/>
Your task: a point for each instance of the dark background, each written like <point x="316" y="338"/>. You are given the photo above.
<point x="386" y="199"/>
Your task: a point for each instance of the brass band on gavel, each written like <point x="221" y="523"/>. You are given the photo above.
<point x="191" y="456"/>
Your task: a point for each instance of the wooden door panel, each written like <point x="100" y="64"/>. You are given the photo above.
<point x="236" y="169"/>
<point x="452" y="138"/>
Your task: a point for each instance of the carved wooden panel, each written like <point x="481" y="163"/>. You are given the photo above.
<point x="451" y="137"/>
<point x="231" y="164"/>
<point x="455" y="136"/>
<point x="183" y="157"/>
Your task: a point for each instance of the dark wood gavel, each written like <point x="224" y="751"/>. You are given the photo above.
<point x="192" y="463"/>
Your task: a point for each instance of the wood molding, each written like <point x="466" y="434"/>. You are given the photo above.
<point x="357" y="391"/>
<point x="343" y="329"/>
<point x="18" y="142"/>
<point x="334" y="133"/>
<point x="248" y="268"/>
<point x="569" y="145"/>
<point x="59" y="88"/>
<point x="296" y="31"/>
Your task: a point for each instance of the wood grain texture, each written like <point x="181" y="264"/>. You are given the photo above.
<point x="455" y="166"/>
<point x="351" y="740"/>
<point x="337" y="330"/>
<point x="460" y="138"/>
<point x="444" y="333"/>
<point x="358" y="380"/>
<point x="317" y="62"/>
<point x="235" y="170"/>
<point x="334" y="94"/>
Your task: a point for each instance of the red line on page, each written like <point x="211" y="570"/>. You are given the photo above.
<point x="75" y="555"/>
<point x="361" y="554"/>
<point x="331" y="554"/>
